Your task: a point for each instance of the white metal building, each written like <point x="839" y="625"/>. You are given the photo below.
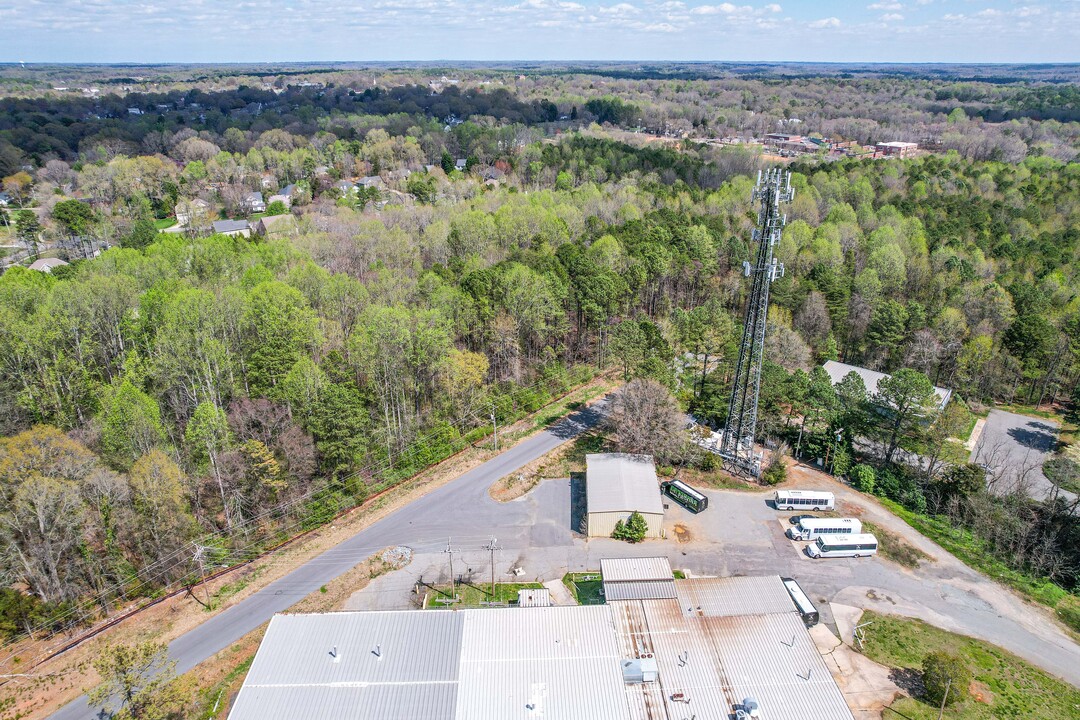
<point x="838" y="371"/>
<point x="637" y="578"/>
<point x="717" y="643"/>
<point x="617" y="485"/>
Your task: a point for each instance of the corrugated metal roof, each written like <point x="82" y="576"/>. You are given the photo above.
<point x="534" y="597"/>
<point x="650" y="568"/>
<point x="322" y="702"/>
<point x="617" y="482"/>
<point x="721" y="597"/>
<point x="639" y="590"/>
<point x="562" y="661"/>
<point x="298" y="653"/>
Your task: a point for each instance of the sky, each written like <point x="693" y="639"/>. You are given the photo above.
<point x="142" y="31"/>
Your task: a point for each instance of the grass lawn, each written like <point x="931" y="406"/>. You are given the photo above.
<point x="894" y="547"/>
<point x="478" y="593"/>
<point x="1004" y="685"/>
<point x="164" y="223"/>
<point x="587" y="588"/>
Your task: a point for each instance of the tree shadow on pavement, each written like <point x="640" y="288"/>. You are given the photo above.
<point x="1034" y="435"/>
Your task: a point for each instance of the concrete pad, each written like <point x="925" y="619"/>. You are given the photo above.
<point x="846" y="618"/>
<point x="976" y="433"/>
<point x="560" y="594"/>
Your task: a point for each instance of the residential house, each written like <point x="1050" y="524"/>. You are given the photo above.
<point x="254" y="203"/>
<point x="344" y="187"/>
<point x="186" y="210"/>
<point x="46" y="265"/>
<point x="232" y="227"/>
<point x="274" y="224"/>
<point x="5" y="199"/>
<point x="370" y="181"/>
<point x="284" y="195"/>
<point x="462" y="164"/>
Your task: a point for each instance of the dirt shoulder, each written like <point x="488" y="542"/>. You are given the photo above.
<point x="56" y="682"/>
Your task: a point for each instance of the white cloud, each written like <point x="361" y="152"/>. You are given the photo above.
<point x="886" y="6"/>
<point x="892" y="17"/>
<point x="721" y="9"/>
<point x="829" y="22"/>
<point x="774" y="8"/>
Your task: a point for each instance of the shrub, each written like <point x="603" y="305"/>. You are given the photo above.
<point x="775" y="474"/>
<point x="633" y="530"/>
<point x="941" y="671"/>
<point x="862" y="478"/>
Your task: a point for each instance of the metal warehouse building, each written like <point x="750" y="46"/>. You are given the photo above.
<point x="616" y="485"/>
<point x="703" y="653"/>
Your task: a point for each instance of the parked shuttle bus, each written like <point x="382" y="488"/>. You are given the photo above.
<point x="802" y="602"/>
<point x="812" y="528"/>
<point x="685" y="495"/>
<point x="853" y="545"/>
<point x="804" y="500"/>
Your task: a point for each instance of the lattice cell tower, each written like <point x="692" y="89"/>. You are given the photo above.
<point x="737" y="444"/>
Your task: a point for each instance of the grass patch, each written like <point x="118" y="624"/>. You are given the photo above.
<point x="718" y="480"/>
<point x="212" y="699"/>
<point x="587" y="588"/>
<point x="1004" y="685"/>
<point x="478" y="593"/>
<point x="164" y="223"/>
<point x="974" y="552"/>
<point x="1063" y="472"/>
<point x="895" y="547"/>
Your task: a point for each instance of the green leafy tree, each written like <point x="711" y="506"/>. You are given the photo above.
<point x="139" y="683"/>
<point x="130" y="425"/>
<point x="28" y="228"/>
<point x="447" y="162"/>
<point x="960" y="481"/>
<point x="276" y="208"/>
<point x="143" y="232"/>
<point x="943" y="673"/>
<point x="626" y="344"/>
<point x="74" y="216"/>
<point x="633" y="530"/>
<point x="862" y="478"/>
<point x="903" y="402"/>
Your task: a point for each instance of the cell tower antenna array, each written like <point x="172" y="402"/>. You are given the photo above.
<point x="737" y="444"/>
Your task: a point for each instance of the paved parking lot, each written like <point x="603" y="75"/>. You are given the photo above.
<point x="1014" y="448"/>
<point x="738" y="535"/>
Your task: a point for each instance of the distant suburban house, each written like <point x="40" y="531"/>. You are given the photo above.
<point x="838" y="371"/>
<point x="46" y="265"/>
<point x="184" y="210"/>
<point x="344" y="187"/>
<point x="134" y="111"/>
<point x="462" y="164"/>
<point x="617" y="485"/>
<point x="897" y="149"/>
<point x="5" y="199"/>
<point x="274" y="224"/>
<point x="370" y="181"/>
<point x="284" y="195"/>
<point x="253" y="202"/>
<point x="232" y="227"/>
<point x="400" y="174"/>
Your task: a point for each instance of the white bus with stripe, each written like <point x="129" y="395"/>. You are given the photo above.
<point x="811" y="528"/>
<point x="855" y="545"/>
<point x="804" y="500"/>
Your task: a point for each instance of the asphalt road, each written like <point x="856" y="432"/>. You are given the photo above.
<point x="424" y="524"/>
<point x="1015" y="447"/>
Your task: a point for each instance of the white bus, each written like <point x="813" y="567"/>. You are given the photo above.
<point x="804" y="500"/>
<point x="802" y="602"/>
<point x="812" y="528"/>
<point x="855" y="545"/>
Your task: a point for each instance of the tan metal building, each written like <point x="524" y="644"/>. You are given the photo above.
<point x="617" y="485"/>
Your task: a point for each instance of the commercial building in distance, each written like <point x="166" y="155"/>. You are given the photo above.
<point x="617" y="485"/>
<point x="838" y="371"/>
<point x="718" y="646"/>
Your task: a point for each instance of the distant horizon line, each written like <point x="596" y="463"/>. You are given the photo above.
<point x="841" y="63"/>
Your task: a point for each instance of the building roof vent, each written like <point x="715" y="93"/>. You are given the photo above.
<point x="749" y="709"/>
<point x="640" y="670"/>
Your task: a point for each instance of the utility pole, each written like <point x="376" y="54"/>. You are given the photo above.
<point x="491" y="546"/>
<point x="200" y="558"/>
<point x="494" y="428"/>
<point x="453" y="585"/>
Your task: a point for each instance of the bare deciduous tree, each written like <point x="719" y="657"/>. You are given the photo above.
<point x="645" y="419"/>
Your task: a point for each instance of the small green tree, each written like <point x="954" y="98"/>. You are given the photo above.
<point x="776" y="473"/>
<point x="276" y="208"/>
<point x="944" y="672"/>
<point x="863" y="478"/>
<point x="633" y="530"/>
<point x="139" y="683"/>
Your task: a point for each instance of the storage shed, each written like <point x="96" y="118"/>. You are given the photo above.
<point x="618" y="484"/>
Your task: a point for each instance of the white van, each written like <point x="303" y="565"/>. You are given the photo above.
<point x="811" y="528"/>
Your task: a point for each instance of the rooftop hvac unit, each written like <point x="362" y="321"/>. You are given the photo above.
<point x="750" y="709"/>
<point x="640" y="670"/>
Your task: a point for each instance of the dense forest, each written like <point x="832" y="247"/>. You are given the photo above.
<point x="235" y="389"/>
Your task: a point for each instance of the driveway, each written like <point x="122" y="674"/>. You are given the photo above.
<point x="1014" y="448"/>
